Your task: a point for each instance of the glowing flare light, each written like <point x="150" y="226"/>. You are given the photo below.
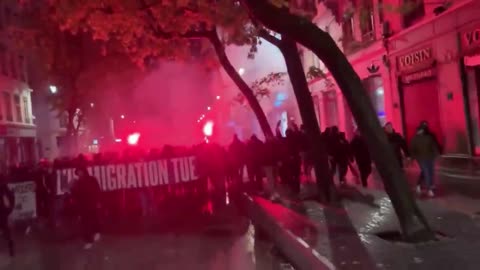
<point x="133" y="138"/>
<point x="208" y="129"/>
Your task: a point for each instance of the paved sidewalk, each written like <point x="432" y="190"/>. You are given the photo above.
<point x="346" y="235"/>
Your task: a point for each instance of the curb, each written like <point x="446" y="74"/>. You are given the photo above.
<point x="459" y="175"/>
<point x="294" y="248"/>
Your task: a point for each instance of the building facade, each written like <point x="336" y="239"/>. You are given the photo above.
<point x="17" y="128"/>
<point x="419" y="65"/>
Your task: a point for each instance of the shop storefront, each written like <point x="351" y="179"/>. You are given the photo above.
<point x="17" y="146"/>
<point x="419" y="94"/>
<point x="470" y="47"/>
<point x="374" y="87"/>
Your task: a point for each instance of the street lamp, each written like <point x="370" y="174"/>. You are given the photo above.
<point x="218" y="97"/>
<point x="208" y="108"/>
<point x="53" y="89"/>
<point x="122" y="116"/>
<point x="241" y="71"/>
<point x="92" y="104"/>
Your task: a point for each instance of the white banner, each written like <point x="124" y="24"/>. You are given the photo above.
<point x="134" y="175"/>
<point x="25" y="202"/>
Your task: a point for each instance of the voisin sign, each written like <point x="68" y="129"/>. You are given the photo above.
<point x="415" y="60"/>
<point x="470" y="40"/>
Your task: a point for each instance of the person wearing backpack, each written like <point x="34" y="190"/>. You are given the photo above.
<point x="7" y="203"/>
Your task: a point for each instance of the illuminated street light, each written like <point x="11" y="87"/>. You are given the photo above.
<point x="218" y="97"/>
<point x="208" y="108"/>
<point x="53" y="89"/>
<point x="122" y="116"/>
<point x="92" y="104"/>
<point x="241" y="71"/>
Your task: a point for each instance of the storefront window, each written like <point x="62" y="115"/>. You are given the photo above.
<point x="374" y="87"/>
<point x="473" y="75"/>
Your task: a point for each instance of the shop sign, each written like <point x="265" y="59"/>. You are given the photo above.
<point x="470" y="40"/>
<point x="415" y="60"/>
<point x="419" y="75"/>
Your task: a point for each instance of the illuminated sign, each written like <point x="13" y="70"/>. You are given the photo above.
<point x="415" y="60"/>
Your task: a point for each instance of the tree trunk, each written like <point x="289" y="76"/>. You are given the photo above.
<point x="241" y="84"/>
<point x="413" y="224"/>
<point x="298" y="79"/>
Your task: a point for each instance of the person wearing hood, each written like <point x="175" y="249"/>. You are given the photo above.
<point x="86" y="195"/>
<point x="424" y="150"/>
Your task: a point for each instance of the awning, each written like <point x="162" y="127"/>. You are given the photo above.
<point x="471" y="61"/>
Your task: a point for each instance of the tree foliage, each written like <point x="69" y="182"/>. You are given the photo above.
<point x="69" y="61"/>
<point x="263" y="87"/>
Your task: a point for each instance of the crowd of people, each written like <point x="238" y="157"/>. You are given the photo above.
<point x="281" y="160"/>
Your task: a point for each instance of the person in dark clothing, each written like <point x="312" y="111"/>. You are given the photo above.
<point x="7" y="203"/>
<point x="86" y="195"/>
<point x="305" y="152"/>
<point x="428" y="132"/>
<point x="397" y="142"/>
<point x="254" y="162"/>
<point x="425" y="150"/>
<point x="271" y="159"/>
<point x="293" y="161"/>
<point x="342" y="156"/>
<point x="45" y="189"/>
<point x="217" y="159"/>
<point x="236" y="153"/>
<point x="361" y="155"/>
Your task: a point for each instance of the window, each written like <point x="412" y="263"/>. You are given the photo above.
<point x="18" y="109"/>
<point x="26" y="110"/>
<point x="415" y="11"/>
<point x="367" y="21"/>
<point x="13" y="68"/>
<point x="347" y="28"/>
<point x="8" y="106"/>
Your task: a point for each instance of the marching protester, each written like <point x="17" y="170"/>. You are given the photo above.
<point x="254" y="163"/>
<point x="7" y="203"/>
<point x="397" y="142"/>
<point x="271" y="158"/>
<point x="45" y="188"/>
<point x="293" y="160"/>
<point x="361" y="155"/>
<point x="426" y="128"/>
<point x="236" y="157"/>
<point x="343" y="157"/>
<point x="86" y="195"/>
<point x="424" y="150"/>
